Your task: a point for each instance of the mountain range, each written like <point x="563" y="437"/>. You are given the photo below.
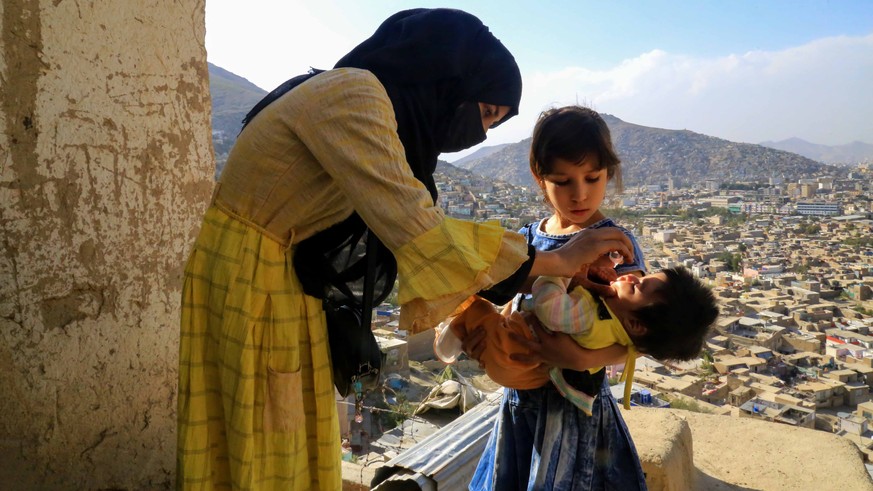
<point x="652" y="155"/>
<point x="649" y="155"/>
<point x="232" y="97"/>
<point x="848" y="154"/>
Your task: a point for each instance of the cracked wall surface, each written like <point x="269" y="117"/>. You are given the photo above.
<point x="106" y="167"/>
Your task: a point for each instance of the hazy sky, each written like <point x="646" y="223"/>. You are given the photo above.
<point x="743" y="70"/>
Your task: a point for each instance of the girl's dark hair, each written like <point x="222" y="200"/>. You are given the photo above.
<point x="677" y="324"/>
<point x="572" y="133"/>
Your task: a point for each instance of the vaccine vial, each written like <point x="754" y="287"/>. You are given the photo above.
<point x="616" y="258"/>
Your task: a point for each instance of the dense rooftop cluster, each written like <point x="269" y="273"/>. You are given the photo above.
<point x="792" y="265"/>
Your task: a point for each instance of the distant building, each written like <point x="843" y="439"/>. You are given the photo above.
<point x="665" y="236"/>
<point x="780" y="413"/>
<point x="865" y="410"/>
<point x="818" y="208"/>
<point x="808" y="190"/>
<point x="724" y="201"/>
<point x="772" y="269"/>
<point x="455" y="210"/>
<point x="639" y="396"/>
<point x="854" y="425"/>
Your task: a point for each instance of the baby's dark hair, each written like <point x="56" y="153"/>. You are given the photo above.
<point x="572" y="133"/>
<point x="677" y="324"/>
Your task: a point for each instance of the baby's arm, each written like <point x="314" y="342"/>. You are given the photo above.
<point x="562" y="351"/>
<point x="559" y="310"/>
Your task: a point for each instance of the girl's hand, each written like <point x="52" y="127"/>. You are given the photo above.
<point x="603" y="261"/>
<point x="585" y="248"/>
<point x="560" y="350"/>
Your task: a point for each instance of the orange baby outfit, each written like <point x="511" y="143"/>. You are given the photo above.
<point x="500" y="368"/>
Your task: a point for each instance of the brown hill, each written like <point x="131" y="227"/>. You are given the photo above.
<point x="651" y="155"/>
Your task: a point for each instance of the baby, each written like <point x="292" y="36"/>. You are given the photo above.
<point x="665" y="315"/>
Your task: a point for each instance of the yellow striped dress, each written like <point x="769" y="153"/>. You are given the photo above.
<point x="256" y="396"/>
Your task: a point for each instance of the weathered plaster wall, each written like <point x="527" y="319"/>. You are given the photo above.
<point x="105" y="169"/>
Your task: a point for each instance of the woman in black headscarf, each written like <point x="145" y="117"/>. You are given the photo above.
<point x="321" y="158"/>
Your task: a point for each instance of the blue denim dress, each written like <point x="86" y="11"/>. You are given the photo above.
<point x="541" y="441"/>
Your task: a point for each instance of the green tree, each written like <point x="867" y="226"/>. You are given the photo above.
<point x="733" y="261"/>
<point x="688" y="405"/>
<point x="810" y="229"/>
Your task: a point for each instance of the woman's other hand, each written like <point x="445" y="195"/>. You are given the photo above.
<point x="560" y="350"/>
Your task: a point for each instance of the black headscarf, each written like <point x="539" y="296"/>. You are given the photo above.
<point x="430" y="61"/>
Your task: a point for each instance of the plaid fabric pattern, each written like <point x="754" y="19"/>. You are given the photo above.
<point x="256" y="397"/>
<point x="449" y="263"/>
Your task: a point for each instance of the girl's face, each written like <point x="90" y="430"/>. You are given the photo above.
<point x="575" y="191"/>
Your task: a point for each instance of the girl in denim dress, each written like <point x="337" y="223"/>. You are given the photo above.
<point x="541" y="440"/>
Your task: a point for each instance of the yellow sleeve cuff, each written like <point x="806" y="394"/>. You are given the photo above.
<point x="454" y="260"/>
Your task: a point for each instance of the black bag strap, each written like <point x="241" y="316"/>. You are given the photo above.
<point x="369" y="279"/>
<point x="366" y="369"/>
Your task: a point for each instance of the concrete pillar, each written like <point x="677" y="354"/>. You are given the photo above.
<point x="106" y="168"/>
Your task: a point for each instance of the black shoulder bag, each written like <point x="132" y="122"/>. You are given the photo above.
<point x="351" y="271"/>
<point x="354" y="352"/>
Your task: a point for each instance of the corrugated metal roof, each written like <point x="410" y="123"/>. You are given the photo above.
<point x="446" y="459"/>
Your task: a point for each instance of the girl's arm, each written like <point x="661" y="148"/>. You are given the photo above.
<point x="560" y="350"/>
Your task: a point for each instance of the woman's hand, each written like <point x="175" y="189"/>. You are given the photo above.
<point x="473" y="344"/>
<point x="585" y="248"/>
<point x="562" y="351"/>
